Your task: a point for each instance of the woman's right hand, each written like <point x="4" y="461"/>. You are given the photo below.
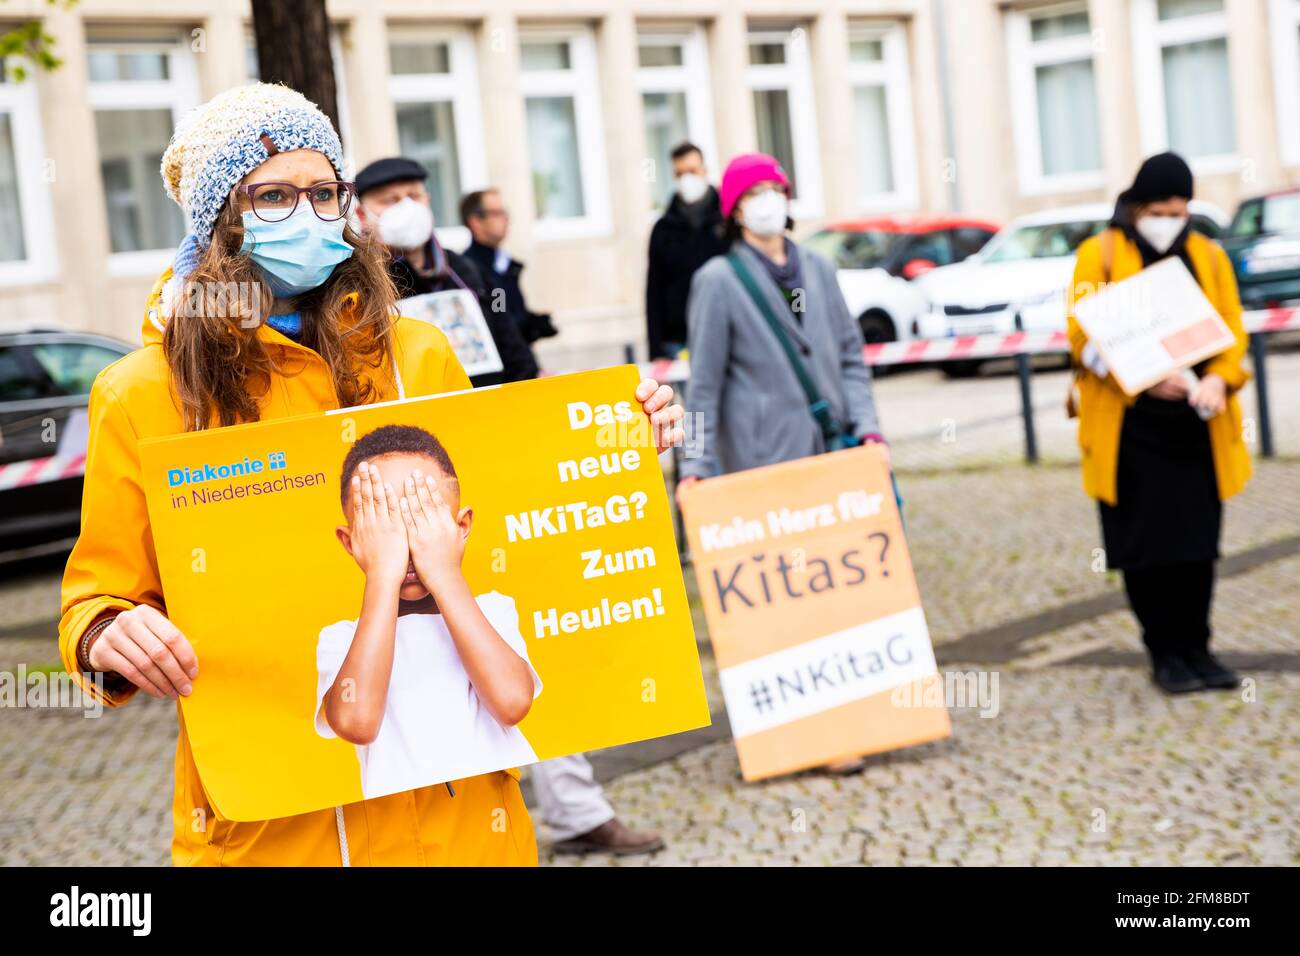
<point x="682" y="485"/>
<point x="1172" y="389"/>
<point x="149" y="651"/>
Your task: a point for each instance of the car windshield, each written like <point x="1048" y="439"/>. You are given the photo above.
<point x="1039" y="242"/>
<point x="853" y="250"/>
<point x="1282" y="213"/>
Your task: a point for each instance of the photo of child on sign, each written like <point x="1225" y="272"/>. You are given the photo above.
<point x="396" y="681"/>
<point x="437" y="563"/>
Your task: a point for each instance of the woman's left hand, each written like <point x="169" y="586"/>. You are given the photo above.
<point x="656" y="400"/>
<point x="1210" y="394"/>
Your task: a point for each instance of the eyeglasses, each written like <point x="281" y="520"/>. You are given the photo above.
<point x="276" y="202"/>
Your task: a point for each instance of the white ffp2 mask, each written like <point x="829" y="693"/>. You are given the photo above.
<point x="406" y="224"/>
<point x="691" y="187"/>
<point x="1160" y="231"/>
<point x="766" y="214"/>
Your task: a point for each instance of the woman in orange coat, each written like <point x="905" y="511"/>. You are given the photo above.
<point x="274" y="307"/>
<point x="1161" y="464"/>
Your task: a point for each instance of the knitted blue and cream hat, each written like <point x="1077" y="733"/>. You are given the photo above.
<point x="219" y="143"/>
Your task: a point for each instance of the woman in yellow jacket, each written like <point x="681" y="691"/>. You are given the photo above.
<point x="274" y="307"/>
<point x="1161" y="464"/>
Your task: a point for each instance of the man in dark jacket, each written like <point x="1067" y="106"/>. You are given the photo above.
<point x="688" y="235"/>
<point x="485" y="215"/>
<point x="393" y="202"/>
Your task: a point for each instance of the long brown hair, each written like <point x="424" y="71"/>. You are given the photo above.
<point x="220" y="369"/>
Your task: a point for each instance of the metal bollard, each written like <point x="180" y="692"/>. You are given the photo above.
<point x="1258" y="351"/>
<point x="1024" y="371"/>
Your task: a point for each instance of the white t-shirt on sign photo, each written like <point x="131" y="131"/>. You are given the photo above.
<point x="435" y="728"/>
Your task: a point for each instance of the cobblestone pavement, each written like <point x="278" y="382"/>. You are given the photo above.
<point x="1083" y="765"/>
<point x="996" y="544"/>
<point x="1084" y="761"/>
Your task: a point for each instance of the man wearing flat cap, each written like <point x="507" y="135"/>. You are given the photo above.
<point x="394" y="205"/>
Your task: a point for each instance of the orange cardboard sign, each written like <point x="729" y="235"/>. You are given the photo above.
<point x="814" y="614"/>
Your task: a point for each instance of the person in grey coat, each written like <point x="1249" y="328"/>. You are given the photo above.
<point x="745" y="401"/>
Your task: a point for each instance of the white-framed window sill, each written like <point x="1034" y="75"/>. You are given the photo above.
<point x="563" y="230"/>
<point x="889" y="203"/>
<point x="1221" y="165"/>
<point x="147" y="263"/>
<point x="1063" y="183"/>
<point x="26" y="272"/>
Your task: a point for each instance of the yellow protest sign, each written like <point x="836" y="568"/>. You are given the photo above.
<point x="814" y="614"/>
<point x="569" y="556"/>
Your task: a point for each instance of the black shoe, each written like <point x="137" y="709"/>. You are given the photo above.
<point x="1173" y="675"/>
<point x="1212" y="671"/>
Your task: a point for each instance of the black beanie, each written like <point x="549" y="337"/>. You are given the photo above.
<point x="1161" y="177"/>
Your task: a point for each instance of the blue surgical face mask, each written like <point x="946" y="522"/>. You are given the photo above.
<point x="296" y="254"/>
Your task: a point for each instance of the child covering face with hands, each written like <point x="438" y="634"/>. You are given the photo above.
<point x="429" y="681"/>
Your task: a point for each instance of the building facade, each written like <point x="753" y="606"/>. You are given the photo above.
<point x="570" y="107"/>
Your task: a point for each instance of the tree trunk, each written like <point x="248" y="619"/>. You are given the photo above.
<point x="293" y="48"/>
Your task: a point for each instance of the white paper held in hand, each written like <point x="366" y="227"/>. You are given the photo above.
<point x="1152" y="325"/>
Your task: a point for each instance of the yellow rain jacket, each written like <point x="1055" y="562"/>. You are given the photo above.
<point x="1102" y="402"/>
<point x="113" y="566"/>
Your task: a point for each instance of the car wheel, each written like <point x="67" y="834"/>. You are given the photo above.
<point x="967" y="368"/>
<point x="877" y="327"/>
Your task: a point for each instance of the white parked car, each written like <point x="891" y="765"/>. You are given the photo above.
<point x="879" y="259"/>
<point x="1024" y="271"/>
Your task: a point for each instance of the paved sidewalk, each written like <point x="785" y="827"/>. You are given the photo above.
<point x="1083" y="765"/>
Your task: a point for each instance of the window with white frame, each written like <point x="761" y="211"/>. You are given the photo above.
<point x="26" y="240"/>
<point x="1054" y="99"/>
<point x="785" y="117"/>
<point x="433" y="83"/>
<point x="566" y="153"/>
<point x="1182" y="80"/>
<point x="1284" y="18"/>
<point x="885" y="146"/>
<point x="673" y="76"/>
<point x="138" y="89"/>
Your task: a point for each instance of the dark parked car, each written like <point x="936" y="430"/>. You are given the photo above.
<point x="1264" y="243"/>
<point x="45" y="379"/>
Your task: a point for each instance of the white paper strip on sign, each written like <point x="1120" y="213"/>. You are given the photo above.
<point x="826" y="672"/>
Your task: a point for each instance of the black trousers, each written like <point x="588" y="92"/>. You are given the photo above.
<point x="1172" y="603"/>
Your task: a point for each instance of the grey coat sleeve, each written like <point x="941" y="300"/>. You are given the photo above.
<point x="855" y="373"/>
<point x="708" y="330"/>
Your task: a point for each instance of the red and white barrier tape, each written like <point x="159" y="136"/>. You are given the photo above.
<point x="958" y="347"/>
<point x="19" y="474"/>
<point x="1031" y="343"/>
<point x="1272" y="320"/>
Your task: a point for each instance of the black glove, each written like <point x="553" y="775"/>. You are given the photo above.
<point x="538" y="325"/>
